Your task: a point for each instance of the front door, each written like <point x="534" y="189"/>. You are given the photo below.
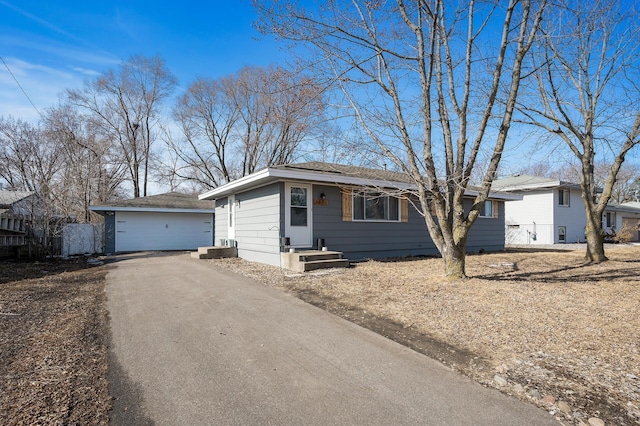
<point x="298" y="215"/>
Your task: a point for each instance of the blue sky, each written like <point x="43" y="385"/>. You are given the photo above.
<point x="50" y="46"/>
<point x="53" y="45"/>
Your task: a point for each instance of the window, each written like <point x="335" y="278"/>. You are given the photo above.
<point x="610" y="219"/>
<point x="562" y="234"/>
<point x="299" y="206"/>
<point x="490" y="209"/>
<point x="375" y="207"/>
<point x="563" y="197"/>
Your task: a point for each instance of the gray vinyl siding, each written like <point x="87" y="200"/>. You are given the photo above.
<point x="109" y="233"/>
<point x="258" y="224"/>
<point x="486" y="233"/>
<point x="362" y="240"/>
<point x="220" y="230"/>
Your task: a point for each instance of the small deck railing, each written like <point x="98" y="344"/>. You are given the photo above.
<point x="13" y="240"/>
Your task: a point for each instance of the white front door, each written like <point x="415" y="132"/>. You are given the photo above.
<point x="298" y="214"/>
<point x="231" y="219"/>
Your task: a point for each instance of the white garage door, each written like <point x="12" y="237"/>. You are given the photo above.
<point x="138" y="231"/>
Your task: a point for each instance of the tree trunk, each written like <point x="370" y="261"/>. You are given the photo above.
<point x="595" y="239"/>
<point x="454" y="262"/>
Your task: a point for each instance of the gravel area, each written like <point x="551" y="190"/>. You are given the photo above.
<point x="538" y="324"/>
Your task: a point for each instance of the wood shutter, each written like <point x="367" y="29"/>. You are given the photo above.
<point x="494" y="208"/>
<point x="347" y="204"/>
<point x="404" y="210"/>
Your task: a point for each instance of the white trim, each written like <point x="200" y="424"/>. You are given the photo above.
<point x="232" y="217"/>
<point x="238" y="183"/>
<point x="535" y="186"/>
<point x="530" y="186"/>
<point x="320" y="177"/>
<point x="288" y="229"/>
<point x="621" y="209"/>
<point x="148" y="209"/>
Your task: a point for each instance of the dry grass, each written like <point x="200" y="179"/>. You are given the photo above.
<point x="553" y="326"/>
<point x="53" y="344"/>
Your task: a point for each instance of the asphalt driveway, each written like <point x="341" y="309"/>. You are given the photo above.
<point x="192" y="344"/>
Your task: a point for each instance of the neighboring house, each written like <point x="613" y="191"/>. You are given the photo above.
<point x="626" y="216"/>
<point x="358" y="211"/>
<point x="19" y="203"/>
<point x="551" y="211"/>
<point x="16" y="211"/>
<point x="171" y="221"/>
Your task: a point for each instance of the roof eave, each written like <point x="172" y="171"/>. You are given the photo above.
<point x="273" y="174"/>
<point x="622" y="209"/>
<point x="99" y="209"/>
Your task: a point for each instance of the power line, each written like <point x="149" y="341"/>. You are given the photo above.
<point x="20" y="86"/>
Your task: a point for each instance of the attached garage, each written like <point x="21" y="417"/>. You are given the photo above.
<point x="171" y="221"/>
<point x="623" y="217"/>
<point x="633" y="225"/>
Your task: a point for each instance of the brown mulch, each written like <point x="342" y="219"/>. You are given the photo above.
<point x="561" y="334"/>
<point x="53" y="344"/>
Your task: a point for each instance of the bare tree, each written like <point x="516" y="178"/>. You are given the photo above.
<point x="278" y="110"/>
<point x="587" y="96"/>
<point x="125" y="105"/>
<point x="421" y="78"/>
<point x="624" y="185"/>
<point x="89" y="172"/>
<point x="633" y="193"/>
<point x="234" y="125"/>
<point x="206" y="116"/>
<point x="28" y="160"/>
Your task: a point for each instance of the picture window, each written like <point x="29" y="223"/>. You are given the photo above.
<point x="373" y="206"/>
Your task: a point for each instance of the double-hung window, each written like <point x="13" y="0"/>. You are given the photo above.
<point x="610" y="219"/>
<point x="563" y="197"/>
<point x="374" y="206"/>
<point x="562" y="234"/>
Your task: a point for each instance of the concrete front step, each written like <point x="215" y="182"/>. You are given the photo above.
<point x="215" y="252"/>
<point x="313" y="255"/>
<point x="311" y="260"/>
<point x="324" y="264"/>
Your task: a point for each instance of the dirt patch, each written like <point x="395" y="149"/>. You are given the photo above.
<point x="53" y="344"/>
<point x="548" y="329"/>
<point x="405" y="335"/>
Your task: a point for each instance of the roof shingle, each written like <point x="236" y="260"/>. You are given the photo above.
<point x="8" y="198"/>
<point x="169" y="200"/>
